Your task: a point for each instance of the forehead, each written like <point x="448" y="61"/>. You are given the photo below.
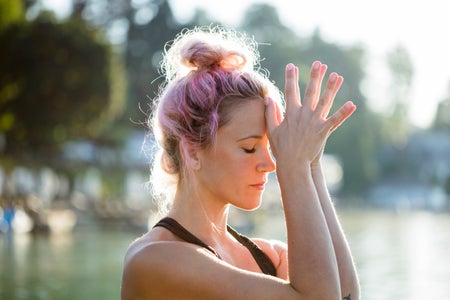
<point x="245" y="119"/>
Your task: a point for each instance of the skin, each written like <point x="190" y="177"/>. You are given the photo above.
<point x="318" y="264"/>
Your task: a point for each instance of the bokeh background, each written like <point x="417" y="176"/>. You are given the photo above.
<point x="77" y="79"/>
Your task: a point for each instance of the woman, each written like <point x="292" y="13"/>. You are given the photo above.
<point x="216" y="117"/>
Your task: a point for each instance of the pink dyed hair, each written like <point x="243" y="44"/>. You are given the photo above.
<point x="209" y="72"/>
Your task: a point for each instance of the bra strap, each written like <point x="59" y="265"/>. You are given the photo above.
<point x="264" y="262"/>
<point x="177" y="229"/>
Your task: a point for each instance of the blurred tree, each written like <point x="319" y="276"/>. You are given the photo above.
<point x="401" y="66"/>
<point x="442" y="117"/>
<point x="447" y="186"/>
<point x="11" y="11"/>
<point x="396" y="125"/>
<point x="278" y="45"/>
<point x="57" y="83"/>
<point x="140" y="29"/>
<point x="200" y="18"/>
<point x="145" y="43"/>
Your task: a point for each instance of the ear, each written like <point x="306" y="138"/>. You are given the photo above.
<point x="190" y="155"/>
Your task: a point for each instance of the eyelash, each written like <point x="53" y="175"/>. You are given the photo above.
<point x="249" y="151"/>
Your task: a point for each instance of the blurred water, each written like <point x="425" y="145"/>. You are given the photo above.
<point x="398" y="256"/>
<point x="401" y="256"/>
<point x="83" y="265"/>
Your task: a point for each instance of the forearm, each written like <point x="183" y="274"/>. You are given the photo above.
<point x="296" y="140"/>
<point x="347" y="272"/>
<point x="312" y="263"/>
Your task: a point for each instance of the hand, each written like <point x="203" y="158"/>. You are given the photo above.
<point x="302" y="134"/>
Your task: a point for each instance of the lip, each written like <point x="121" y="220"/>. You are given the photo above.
<point x="260" y="185"/>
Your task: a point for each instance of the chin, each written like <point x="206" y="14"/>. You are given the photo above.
<point x="250" y="206"/>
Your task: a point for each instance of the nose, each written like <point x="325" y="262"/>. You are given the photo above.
<point x="266" y="163"/>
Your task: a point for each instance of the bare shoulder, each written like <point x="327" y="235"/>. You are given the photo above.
<point x="153" y="268"/>
<point x="142" y="243"/>
<point x="178" y="270"/>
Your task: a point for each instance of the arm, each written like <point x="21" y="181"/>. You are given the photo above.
<point x="178" y="270"/>
<point x="347" y="273"/>
<point x="295" y="141"/>
<point x="312" y="264"/>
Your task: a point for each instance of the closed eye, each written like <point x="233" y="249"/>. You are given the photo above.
<point x="249" y="151"/>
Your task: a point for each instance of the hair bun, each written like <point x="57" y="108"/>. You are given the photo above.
<point x="199" y="55"/>
<point x="206" y="49"/>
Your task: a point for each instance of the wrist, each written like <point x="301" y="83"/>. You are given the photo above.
<point x="293" y="171"/>
<point x="316" y="166"/>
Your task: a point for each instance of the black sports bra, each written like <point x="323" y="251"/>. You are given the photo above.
<point x="261" y="258"/>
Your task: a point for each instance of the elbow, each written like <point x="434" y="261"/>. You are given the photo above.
<point x="351" y="289"/>
<point x="326" y="292"/>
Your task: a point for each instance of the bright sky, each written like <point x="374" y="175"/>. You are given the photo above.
<point x="420" y="26"/>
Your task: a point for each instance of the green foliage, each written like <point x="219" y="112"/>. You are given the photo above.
<point x="442" y="119"/>
<point x="278" y="45"/>
<point x="55" y="86"/>
<point x="447" y="186"/>
<point x="395" y="127"/>
<point x="402" y="70"/>
<point x="11" y="11"/>
<point x="143" y="55"/>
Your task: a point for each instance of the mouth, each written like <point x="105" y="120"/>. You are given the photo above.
<point x="259" y="186"/>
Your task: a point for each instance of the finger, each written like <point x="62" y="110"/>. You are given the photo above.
<point x="291" y="89"/>
<point x="272" y="115"/>
<point x="340" y="116"/>
<point x="297" y="87"/>
<point x="326" y="100"/>
<point x="279" y="113"/>
<point x="312" y="91"/>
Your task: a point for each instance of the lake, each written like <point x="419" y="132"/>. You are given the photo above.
<point x="401" y="256"/>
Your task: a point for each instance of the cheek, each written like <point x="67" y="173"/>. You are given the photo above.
<point x="230" y="170"/>
<point x="228" y="164"/>
<point x="241" y="168"/>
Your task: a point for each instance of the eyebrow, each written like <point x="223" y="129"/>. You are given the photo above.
<point x="254" y="136"/>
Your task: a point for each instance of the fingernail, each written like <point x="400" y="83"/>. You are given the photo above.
<point x="289" y="66"/>
<point x="266" y="101"/>
<point x="316" y="65"/>
<point x="333" y="77"/>
<point x="350" y="104"/>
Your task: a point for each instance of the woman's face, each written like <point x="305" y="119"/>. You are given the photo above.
<point x="234" y="170"/>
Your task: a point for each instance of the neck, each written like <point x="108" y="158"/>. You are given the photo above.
<point x="200" y="214"/>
